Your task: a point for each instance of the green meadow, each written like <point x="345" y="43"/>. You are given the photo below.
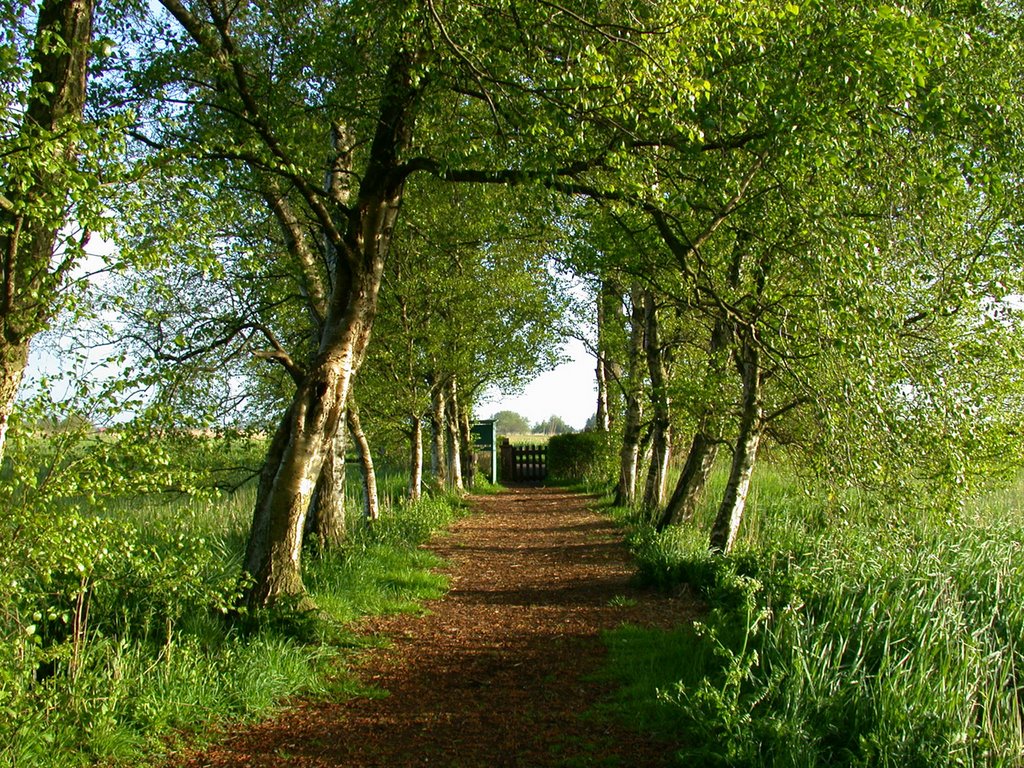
<point x="842" y="631"/>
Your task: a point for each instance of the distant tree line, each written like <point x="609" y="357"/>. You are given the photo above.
<point x="512" y="423"/>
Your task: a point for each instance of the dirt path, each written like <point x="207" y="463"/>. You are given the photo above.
<point x="498" y="673"/>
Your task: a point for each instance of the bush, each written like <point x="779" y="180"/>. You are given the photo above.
<point x="584" y="458"/>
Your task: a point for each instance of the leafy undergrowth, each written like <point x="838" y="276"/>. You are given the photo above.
<point x="114" y="629"/>
<point x="835" y="637"/>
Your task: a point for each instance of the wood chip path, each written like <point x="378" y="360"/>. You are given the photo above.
<point x="500" y="672"/>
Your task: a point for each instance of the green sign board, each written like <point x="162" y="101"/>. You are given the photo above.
<point x="484" y="440"/>
<point x="483" y="435"/>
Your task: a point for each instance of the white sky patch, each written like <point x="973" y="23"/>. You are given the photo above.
<point x="569" y="392"/>
<point x="1015" y="302"/>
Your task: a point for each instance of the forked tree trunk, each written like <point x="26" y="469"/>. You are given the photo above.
<point x="272" y="552"/>
<point x="32" y="209"/>
<point x="439" y="455"/>
<point x="296" y="454"/>
<point x="416" y="459"/>
<point x="657" y="470"/>
<point x="730" y="513"/>
<point x="293" y="465"/>
<point x="371" y="505"/>
<point x="629" y="456"/>
<point x="661" y="426"/>
<point x="326" y="521"/>
<point x="700" y="460"/>
<point x="454" y="438"/>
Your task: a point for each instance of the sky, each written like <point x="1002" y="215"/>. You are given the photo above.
<point x="569" y="392"/>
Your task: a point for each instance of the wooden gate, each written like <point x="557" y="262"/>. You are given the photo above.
<point x="521" y="463"/>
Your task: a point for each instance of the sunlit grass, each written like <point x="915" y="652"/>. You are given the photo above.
<point x="528" y="438"/>
<point x="158" y="654"/>
<point x="841" y="632"/>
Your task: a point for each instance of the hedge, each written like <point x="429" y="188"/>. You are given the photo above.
<point x="583" y="457"/>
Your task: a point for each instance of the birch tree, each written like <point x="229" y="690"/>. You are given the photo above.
<point x="274" y="98"/>
<point x="41" y="138"/>
<point x="467" y="303"/>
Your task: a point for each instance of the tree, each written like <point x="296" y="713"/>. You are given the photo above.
<point x="262" y="101"/>
<point x="552" y="425"/>
<point x="748" y="190"/>
<point x="41" y="143"/>
<point x="786" y="235"/>
<point x="224" y="71"/>
<point x="510" y="423"/>
<point x="608" y="371"/>
<point x="769" y="186"/>
<point x="467" y="303"/>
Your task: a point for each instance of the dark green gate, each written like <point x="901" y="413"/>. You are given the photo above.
<point x="523" y="463"/>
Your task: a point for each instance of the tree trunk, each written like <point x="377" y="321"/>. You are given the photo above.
<point x="730" y="513"/>
<point x="271" y="556"/>
<point x="32" y="211"/>
<point x="371" y="506"/>
<point x="454" y="438"/>
<point x="629" y="456"/>
<point x="700" y="460"/>
<point x="468" y="450"/>
<point x="416" y="459"/>
<point x="13" y="359"/>
<point x="602" y="422"/>
<point x="654" y="492"/>
<point x="609" y="319"/>
<point x="439" y="457"/>
<point x="297" y="452"/>
<point x="327" y="514"/>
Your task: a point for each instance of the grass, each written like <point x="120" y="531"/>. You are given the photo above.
<point x="528" y="438"/>
<point x="840" y="633"/>
<point x="113" y="635"/>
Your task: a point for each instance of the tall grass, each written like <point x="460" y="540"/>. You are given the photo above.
<point x="123" y="635"/>
<point x="841" y="633"/>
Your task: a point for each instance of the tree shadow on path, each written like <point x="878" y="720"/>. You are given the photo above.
<point x="501" y="671"/>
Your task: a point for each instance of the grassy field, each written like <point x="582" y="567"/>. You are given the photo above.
<point x="116" y="630"/>
<point x="528" y="439"/>
<point x="840" y="633"/>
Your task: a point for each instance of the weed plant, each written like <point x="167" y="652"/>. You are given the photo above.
<point x="840" y="633"/>
<point x="116" y="623"/>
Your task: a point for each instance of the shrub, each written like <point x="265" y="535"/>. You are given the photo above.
<point x="585" y="458"/>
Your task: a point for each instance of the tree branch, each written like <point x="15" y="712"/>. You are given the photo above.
<point x="298" y="245"/>
<point x="278" y="353"/>
<point x="224" y="54"/>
